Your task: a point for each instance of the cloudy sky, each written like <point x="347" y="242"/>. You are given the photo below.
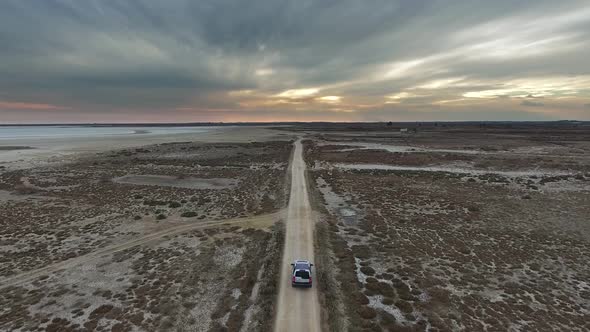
<point x="306" y="60"/>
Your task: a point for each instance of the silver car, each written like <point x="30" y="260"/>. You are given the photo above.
<point x="301" y="274"/>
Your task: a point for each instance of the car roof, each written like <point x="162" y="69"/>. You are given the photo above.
<point x="304" y="265"/>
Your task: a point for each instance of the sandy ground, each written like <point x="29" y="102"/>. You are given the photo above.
<point x="298" y="309"/>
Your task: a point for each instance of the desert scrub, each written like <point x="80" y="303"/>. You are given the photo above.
<point x="153" y="202"/>
<point x="161" y="216"/>
<point x="245" y="276"/>
<point x="174" y="205"/>
<point x="269" y="287"/>
<point x="368" y="270"/>
<point x="21" y="189"/>
<point x="189" y="214"/>
<point x="367" y="312"/>
<point x="340" y="295"/>
<point x="330" y="287"/>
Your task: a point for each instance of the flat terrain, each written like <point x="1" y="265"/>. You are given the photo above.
<point x="459" y="227"/>
<point x="439" y="227"/>
<point x="181" y="235"/>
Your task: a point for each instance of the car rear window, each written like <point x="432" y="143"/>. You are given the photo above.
<point x="302" y="274"/>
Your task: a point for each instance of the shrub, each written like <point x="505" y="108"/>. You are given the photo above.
<point x="188" y="214"/>
<point x="371" y="280"/>
<point x="21" y="189"/>
<point x="160" y="216"/>
<point x="368" y="270"/>
<point x="388" y="320"/>
<point x="387" y="301"/>
<point x="174" y="205"/>
<point x="153" y="202"/>
<point x="387" y="276"/>
<point x="385" y="289"/>
<point x="404" y="306"/>
<point x="362" y="298"/>
<point x="361" y="251"/>
<point x="367" y="312"/>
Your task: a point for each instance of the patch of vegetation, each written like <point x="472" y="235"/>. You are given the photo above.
<point x="404" y="306"/>
<point x="174" y="204"/>
<point x="153" y="202"/>
<point x="367" y="312"/>
<point x="269" y="287"/>
<point x="189" y="214"/>
<point x="21" y="189"/>
<point x="368" y="270"/>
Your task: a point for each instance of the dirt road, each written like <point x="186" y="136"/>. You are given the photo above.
<point x="29" y="276"/>
<point x="298" y="309"/>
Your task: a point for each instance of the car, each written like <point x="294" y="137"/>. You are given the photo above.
<point x="301" y="274"/>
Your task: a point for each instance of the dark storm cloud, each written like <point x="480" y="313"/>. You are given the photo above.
<point x="98" y="56"/>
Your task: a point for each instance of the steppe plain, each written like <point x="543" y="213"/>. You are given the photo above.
<point x="165" y="236"/>
<point x="453" y="227"/>
<point x="440" y="227"/>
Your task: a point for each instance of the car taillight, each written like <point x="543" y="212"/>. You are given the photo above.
<point x="293" y="279"/>
<point x="310" y="279"/>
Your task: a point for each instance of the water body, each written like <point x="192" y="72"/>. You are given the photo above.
<point x="28" y="146"/>
<point x="32" y="132"/>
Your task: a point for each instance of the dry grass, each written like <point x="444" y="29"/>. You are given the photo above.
<point x="447" y="250"/>
<point x="265" y="306"/>
<point x="338" y="289"/>
<point x="179" y="282"/>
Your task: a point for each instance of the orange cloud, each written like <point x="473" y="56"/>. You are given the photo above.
<point x="29" y="106"/>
